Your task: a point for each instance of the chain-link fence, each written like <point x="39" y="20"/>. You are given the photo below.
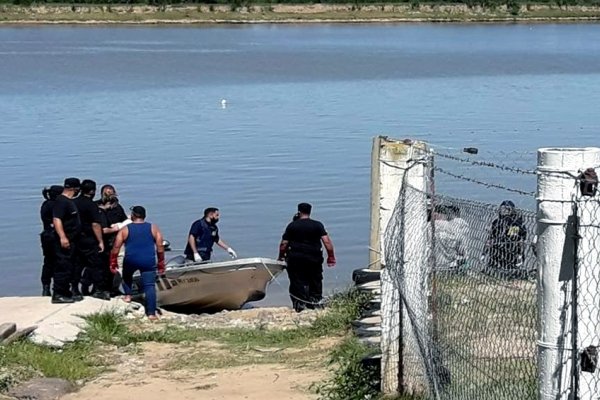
<point x="465" y="312"/>
<point x="587" y="299"/>
<point x="468" y="295"/>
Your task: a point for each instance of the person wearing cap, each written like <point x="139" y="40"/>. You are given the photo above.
<point x="505" y="246"/>
<point x="89" y="244"/>
<point x="67" y="225"/>
<point x="301" y="248"/>
<point x="204" y="233"/>
<point x="113" y="219"/>
<point x="48" y="236"/>
<point x="143" y="247"/>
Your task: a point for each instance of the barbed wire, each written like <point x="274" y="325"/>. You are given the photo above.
<point x="486" y="184"/>
<point x="487" y="164"/>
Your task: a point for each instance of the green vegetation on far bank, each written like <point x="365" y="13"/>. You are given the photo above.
<point x="248" y="11"/>
<point x="240" y="3"/>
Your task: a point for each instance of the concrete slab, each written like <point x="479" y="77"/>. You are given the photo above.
<point x="56" y="324"/>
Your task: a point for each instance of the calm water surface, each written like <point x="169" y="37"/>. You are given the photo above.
<point x="141" y="108"/>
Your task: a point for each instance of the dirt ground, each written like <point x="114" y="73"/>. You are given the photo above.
<point x="210" y="370"/>
<point x="252" y="382"/>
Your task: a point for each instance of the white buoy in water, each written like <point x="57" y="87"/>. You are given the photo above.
<point x="223" y="103"/>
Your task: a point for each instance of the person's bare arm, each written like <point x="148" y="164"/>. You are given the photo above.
<point x="192" y="243"/>
<point x="222" y="244"/>
<point x="330" y="251"/>
<point x="60" y="230"/>
<point x="97" y="228"/>
<point x="160" y="249"/>
<point x="114" y="253"/>
<point x="119" y="240"/>
<point x="158" y="239"/>
<point x="227" y="248"/>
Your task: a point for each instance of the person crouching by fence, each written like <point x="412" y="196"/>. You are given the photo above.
<point x="450" y="238"/>
<point x="143" y="247"/>
<point x="301" y="248"/>
<point x="505" y="246"/>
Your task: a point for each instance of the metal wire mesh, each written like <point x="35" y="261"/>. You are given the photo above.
<point x="465" y="273"/>
<point x="587" y="303"/>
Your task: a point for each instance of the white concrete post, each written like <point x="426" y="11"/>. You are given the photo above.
<point x="417" y="249"/>
<point x="394" y="157"/>
<point x="555" y="267"/>
<point x="588" y="303"/>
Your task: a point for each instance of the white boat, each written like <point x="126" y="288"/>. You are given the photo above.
<point x="191" y="287"/>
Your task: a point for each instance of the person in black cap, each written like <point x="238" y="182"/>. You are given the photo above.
<point x="505" y="246"/>
<point x="48" y="237"/>
<point x="143" y="248"/>
<point x="301" y="248"/>
<point x="89" y="244"/>
<point x="204" y="233"/>
<point x="67" y="225"/>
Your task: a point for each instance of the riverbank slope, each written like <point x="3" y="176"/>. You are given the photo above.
<point x="289" y="13"/>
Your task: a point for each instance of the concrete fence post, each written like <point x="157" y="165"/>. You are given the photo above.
<point x="556" y="193"/>
<point x="394" y="159"/>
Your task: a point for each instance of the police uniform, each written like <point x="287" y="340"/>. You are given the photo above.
<point x="88" y="255"/>
<point x="48" y="236"/>
<point x="507" y="240"/>
<point x="65" y="267"/>
<point x="205" y="235"/>
<point x="304" y="259"/>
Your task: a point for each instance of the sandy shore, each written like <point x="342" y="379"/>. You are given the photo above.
<point x="287" y="13"/>
<point x="149" y="375"/>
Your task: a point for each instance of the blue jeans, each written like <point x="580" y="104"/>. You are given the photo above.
<point x="147" y="281"/>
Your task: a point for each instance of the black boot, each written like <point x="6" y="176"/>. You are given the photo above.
<point x="46" y="291"/>
<point x="76" y="294"/>
<point x="57" y="299"/>
<point x="101" y="295"/>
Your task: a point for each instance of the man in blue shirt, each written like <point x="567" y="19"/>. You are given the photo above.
<point x="204" y="233"/>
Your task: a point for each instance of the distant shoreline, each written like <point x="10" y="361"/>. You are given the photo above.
<point x="191" y="14"/>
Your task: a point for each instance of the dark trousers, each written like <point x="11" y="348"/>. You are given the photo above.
<point x="89" y="269"/>
<point x="306" y="282"/>
<point x="147" y="283"/>
<point x="49" y="252"/>
<point x="64" y="269"/>
<point x="108" y="278"/>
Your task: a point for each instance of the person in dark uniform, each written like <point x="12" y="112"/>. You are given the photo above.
<point x="67" y="225"/>
<point x="113" y="219"/>
<point x="143" y="247"/>
<point x="301" y="248"/>
<point x="89" y="244"/>
<point x="204" y="233"/>
<point x="48" y="236"/>
<point x="505" y="246"/>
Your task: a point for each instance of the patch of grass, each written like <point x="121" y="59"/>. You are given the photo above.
<point x="24" y="360"/>
<point x="350" y="379"/>
<point x="107" y="327"/>
<point x="110" y="328"/>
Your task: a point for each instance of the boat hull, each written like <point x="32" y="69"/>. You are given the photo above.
<point x="212" y="287"/>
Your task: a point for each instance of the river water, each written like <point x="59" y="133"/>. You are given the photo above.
<point x="141" y="108"/>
